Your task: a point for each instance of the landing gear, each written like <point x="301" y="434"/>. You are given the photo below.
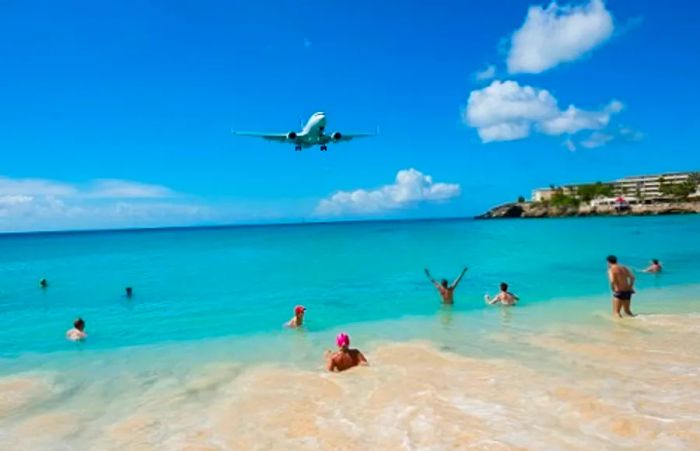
<point x="297" y="148"/>
<point x="324" y="148"/>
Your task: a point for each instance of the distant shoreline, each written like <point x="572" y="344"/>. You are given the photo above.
<point x="527" y="210"/>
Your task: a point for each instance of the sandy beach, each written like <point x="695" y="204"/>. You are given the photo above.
<point x="627" y="385"/>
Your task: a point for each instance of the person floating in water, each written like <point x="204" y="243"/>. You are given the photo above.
<point x="622" y="285"/>
<point x="43" y="283"/>
<point x="129" y="292"/>
<point x="77" y="333"/>
<point x="344" y="358"/>
<point x="298" y="319"/>
<point x="446" y="291"/>
<point x="654" y="267"/>
<point x="504" y="297"/>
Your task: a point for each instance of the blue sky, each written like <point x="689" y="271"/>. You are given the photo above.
<point x="118" y="114"/>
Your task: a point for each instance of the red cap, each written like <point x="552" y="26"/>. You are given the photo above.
<point x="299" y="309"/>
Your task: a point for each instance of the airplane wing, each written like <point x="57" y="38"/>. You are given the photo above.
<point x="279" y="137"/>
<point x="333" y="137"/>
<point x="348" y="137"/>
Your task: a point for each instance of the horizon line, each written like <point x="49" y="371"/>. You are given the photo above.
<point x="229" y="226"/>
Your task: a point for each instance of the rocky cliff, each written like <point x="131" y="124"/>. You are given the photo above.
<point x="538" y="210"/>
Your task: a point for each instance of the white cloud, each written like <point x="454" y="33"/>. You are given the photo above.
<point x="507" y="111"/>
<point x="630" y="134"/>
<point x="600" y="139"/>
<point x="31" y="187"/>
<point x="569" y="144"/>
<point x="410" y="188"/>
<point x="558" y="34"/>
<point x="597" y="139"/>
<point x="98" y="189"/>
<point x="486" y="74"/>
<point x="121" y="189"/>
<point x="41" y="204"/>
<point x="573" y="120"/>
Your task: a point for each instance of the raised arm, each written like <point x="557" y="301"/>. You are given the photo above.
<point x="459" y="278"/>
<point x="433" y="281"/>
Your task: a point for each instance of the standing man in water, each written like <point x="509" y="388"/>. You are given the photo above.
<point x="504" y="297"/>
<point x="654" y="267"/>
<point x="77" y="333"/>
<point x="622" y="285"/>
<point x="446" y="291"/>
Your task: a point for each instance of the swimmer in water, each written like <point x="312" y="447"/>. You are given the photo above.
<point x="129" y="292"/>
<point x="77" y="333"/>
<point x="654" y="267"/>
<point x="298" y="319"/>
<point x="344" y="358"/>
<point x="43" y="283"/>
<point x="622" y="285"/>
<point x="446" y="291"/>
<point x="504" y="297"/>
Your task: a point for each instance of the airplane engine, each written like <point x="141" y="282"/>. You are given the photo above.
<point x="292" y="136"/>
<point x="336" y="136"/>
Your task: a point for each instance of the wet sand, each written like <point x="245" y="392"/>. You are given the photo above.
<point x="622" y="385"/>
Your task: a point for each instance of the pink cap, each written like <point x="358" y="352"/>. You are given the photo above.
<point x="299" y="309"/>
<point x="342" y="340"/>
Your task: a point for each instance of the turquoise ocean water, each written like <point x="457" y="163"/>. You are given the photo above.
<point x="243" y="282"/>
<point x="199" y="359"/>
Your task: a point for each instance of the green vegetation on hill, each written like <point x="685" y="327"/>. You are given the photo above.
<point x="572" y="196"/>
<point x="679" y="190"/>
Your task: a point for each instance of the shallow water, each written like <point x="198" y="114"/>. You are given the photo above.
<point x="198" y="358"/>
<point x="607" y="385"/>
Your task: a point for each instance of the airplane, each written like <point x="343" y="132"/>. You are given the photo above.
<point x="311" y="134"/>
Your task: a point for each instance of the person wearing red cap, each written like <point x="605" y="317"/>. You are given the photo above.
<point x="298" y="319"/>
<point x="344" y="358"/>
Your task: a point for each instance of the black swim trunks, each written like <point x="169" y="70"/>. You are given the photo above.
<point x="623" y="295"/>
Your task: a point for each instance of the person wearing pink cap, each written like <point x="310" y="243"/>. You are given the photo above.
<point x="298" y="319"/>
<point x="344" y="358"/>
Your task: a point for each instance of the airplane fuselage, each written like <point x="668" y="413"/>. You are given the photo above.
<point x="313" y="133"/>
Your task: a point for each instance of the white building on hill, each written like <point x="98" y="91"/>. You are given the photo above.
<point x="642" y="186"/>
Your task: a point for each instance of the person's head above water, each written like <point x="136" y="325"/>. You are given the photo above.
<point x="43" y="283"/>
<point x="129" y="291"/>
<point x="299" y="310"/>
<point x="612" y="259"/>
<point x="79" y="324"/>
<point x="342" y="340"/>
<point x="444" y="283"/>
<point x="504" y="286"/>
<point x="655" y="261"/>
